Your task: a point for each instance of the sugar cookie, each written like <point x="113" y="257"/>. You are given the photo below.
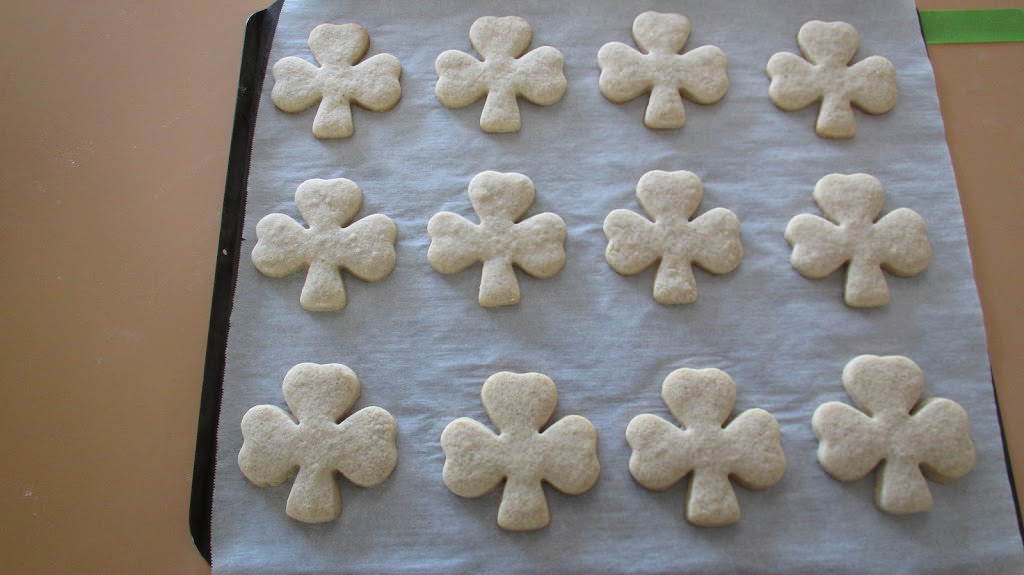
<point x="747" y="449"/>
<point x="897" y="243"/>
<point x="339" y="81"/>
<point x="478" y="460"/>
<point x="506" y="72"/>
<point x="317" y="442"/>
<point x="826" y="76"/>
<point x="906" y="440"/>
<point x="365" y="248"/>
<point x="712" y="240"/>
<point x="658" y="67"/>
<point x="536" y="245"/>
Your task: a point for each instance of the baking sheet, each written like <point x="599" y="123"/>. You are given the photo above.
<point x="422" y="346"/>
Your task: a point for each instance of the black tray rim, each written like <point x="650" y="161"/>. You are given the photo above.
<point x="259" y="33"/>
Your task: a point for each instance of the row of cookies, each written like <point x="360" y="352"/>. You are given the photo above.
<point x="890" y="429"/>
<point x="671" y="238"/>
<point x="658" y="67"/>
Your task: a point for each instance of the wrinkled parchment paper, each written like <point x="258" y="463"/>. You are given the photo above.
<point x="423" y="347"/>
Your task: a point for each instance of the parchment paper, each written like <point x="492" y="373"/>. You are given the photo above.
<point x="423" y="347"/>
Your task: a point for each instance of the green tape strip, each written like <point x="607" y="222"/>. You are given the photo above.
<point x="972" y="26"/>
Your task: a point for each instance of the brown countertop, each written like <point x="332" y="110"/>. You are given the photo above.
<point x="117" y="122"/>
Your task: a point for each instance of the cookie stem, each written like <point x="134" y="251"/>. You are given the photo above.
<point x="665" y="108"/>
<point x="314" y="497"/>
<point x="523" y="504"/>
<point x="674" y="282"/>
<point x="498" y="284"/>
<point x="835" y="118"/>
<point x="865" y="284"/>
<point x="711" y="500"/>
<point x="333" y="119"/>
<point x="501" y="112"/>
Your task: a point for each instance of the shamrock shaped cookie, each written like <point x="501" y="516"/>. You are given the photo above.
<point x="897" y="243"/>
<point x="826" y="76"/>
<point x="904" y="438"/>
<point x="712" y="240"/>
<point x="506" y="72"/>
<point x="477" y="460"/>
<point x="747" y="449"/>
<point x="339" y="81"/>
<point x="658" y="67"/>
<point x="365" y="248"/>
<point x="317" y="442"/>
<point x="536" y="245"/>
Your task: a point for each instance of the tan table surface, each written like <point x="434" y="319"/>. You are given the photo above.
<point x="116" y="126"/>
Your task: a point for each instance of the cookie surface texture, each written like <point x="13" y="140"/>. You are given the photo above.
<point x="906" y="439"/>
<point x="366" y="248"/>
<point x="477" y="460"/>
<point x="536" y="245"/>
<point x="317" y="442"/>
<point x="340" y="81"/>
<point x="659" y="68"/>
<point x="506" y="72"/>
<point x="897" y="243"/>
<point x="827" y="76"/>
<point x="711" y="241"/>
<point x="748" y="449"/>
